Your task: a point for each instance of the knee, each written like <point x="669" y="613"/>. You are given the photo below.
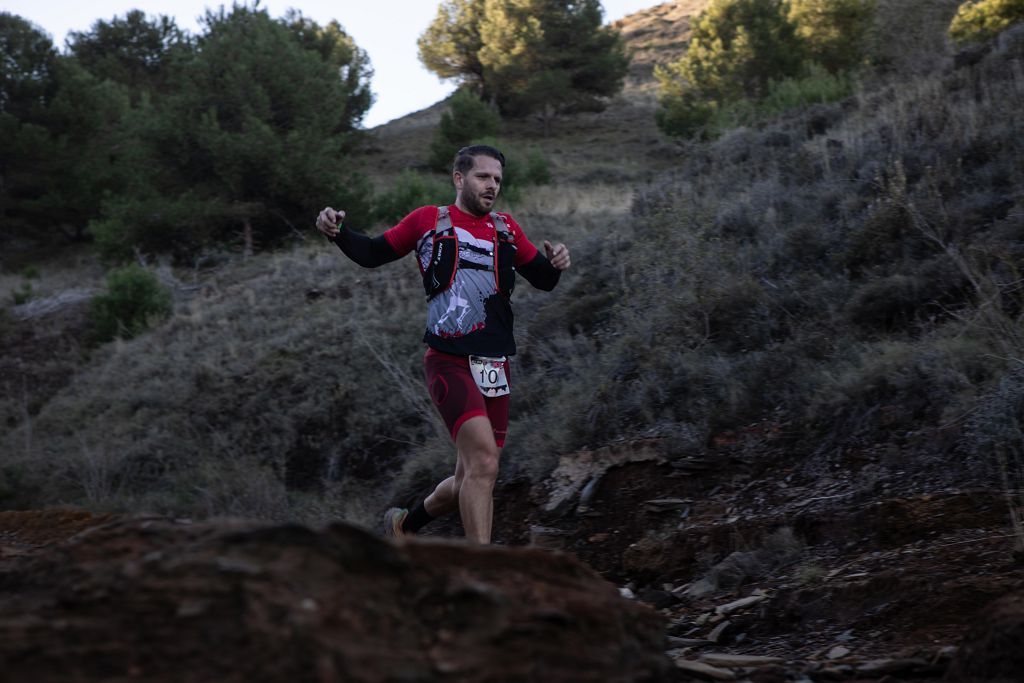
<point x="482" y="465"/>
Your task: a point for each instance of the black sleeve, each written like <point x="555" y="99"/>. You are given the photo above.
<point x="369" y="252"/>
<point x="540" y="273"/>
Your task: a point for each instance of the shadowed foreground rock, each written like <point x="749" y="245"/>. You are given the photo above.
<point x="993" y="650"/>
<point x="148" y="599"/>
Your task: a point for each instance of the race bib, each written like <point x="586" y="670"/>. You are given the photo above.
<point x="489" y="375"/>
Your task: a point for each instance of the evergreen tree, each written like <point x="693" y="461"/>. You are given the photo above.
<point x="834" y="31"/>
<point x="738" y="47"/>
<point x="980" y="20"/>
<point x="450" y="47"/>
<point x="252" y="133"/>
<point x="749" y="49"/>
<point x="134" y="51"/>
<point x="528" y="56"/>
<point x="28" y="83"/>
<point x="57" y="141"/>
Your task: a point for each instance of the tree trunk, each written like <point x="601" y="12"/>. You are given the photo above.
<point x="247" y="236"/>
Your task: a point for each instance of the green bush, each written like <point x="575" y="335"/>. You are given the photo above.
<point x="818" y="85"/>
<point x="412" y="190"/>
<point x="749" y="60"/>
<point x="538" y="171"/>
<point x="738" y="47"/>
<point x="467" y="119"/>
<point x="980" y="20"/>
<point x="523" y="167"/>
<point x="834" y="31"/>
<point x="158" y="224"/>
<point x="133" y="300"/>
<point x="21" y="294"/>
<point x="683" y="113"/>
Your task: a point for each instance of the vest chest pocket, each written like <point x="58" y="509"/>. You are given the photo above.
<point x="440" y="271"/>
<point x="505" y="266"/>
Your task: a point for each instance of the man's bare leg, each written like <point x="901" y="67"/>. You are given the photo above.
<point x="479" y="455"/>
<point x="445" y="498"/>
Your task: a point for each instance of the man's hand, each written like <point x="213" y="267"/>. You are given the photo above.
<point x="558" y="255"/>
<point x="328" y="221"/>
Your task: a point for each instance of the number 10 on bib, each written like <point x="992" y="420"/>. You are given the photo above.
<point x="489" y="375"/>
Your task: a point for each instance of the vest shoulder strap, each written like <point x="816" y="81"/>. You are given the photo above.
<point x="497" y="218"/>
<point x="444" y="221"/>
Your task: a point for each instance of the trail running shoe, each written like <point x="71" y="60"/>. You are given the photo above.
<point x="393" y="519"/>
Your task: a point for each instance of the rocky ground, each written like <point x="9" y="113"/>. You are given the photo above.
<point x="898" y="589"/>
<point x="767" y="572"/>
<point x="86" y="598"/>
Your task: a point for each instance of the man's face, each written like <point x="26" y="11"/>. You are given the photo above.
<point x="479" y="187"/>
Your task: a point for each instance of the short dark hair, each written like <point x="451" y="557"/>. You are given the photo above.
<point x="464" y="158"/>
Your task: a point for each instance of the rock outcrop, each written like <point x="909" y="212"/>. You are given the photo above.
<point x="151" y="599"/>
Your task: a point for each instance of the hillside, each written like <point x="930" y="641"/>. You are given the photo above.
<point x="778" y="398"/>
<point x="621" y="144"/>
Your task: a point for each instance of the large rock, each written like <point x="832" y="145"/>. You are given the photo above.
<point x="149" y="599"/>
<point x="993" y="649"/>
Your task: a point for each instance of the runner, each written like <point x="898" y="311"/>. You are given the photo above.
<point x="469" y="256"/>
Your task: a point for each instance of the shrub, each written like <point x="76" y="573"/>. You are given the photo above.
<point x="158" y="224"/>
<point x="834" y="31"/>
<point x="886" y="303"/>
<point x="738" y="46"/>
<point x="134" y="298"/>
<point x="749" y="60"/>
<point x="412" y="190"/>
<point x="467" y="119"/>
<point x="682" y="113"/>
<point x="996" y="431"/>
<point x="818" y="85"/>
<point x="21" y="294"/>
<point x="981" y="20"/>
<point x="523" y="167"/>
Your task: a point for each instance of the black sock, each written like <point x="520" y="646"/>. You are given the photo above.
<point x="416" y="519"/>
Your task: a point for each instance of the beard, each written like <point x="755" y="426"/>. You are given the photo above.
<point x="475" y="204"/>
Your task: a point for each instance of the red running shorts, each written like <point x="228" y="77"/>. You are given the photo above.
<point x="457" y="397"/>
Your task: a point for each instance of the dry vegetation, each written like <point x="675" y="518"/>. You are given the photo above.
<point x="850" y="273"/>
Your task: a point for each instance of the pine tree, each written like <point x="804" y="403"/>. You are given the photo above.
<point x="134" y="51"/>
<point x="528" y="56"/>
<point x="834" y="31"/>
<point x="57" y="127"/>
<point x="253" y="131"/>
<point x="980" y="20"/>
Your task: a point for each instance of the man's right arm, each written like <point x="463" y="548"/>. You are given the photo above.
<point x="368" y="252"/>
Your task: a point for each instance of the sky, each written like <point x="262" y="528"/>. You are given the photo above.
<point x="386" y="29"/>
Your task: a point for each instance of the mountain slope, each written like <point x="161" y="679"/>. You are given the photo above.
<point x="779" y="371"/>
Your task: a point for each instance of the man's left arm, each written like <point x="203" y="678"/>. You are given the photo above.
<point x="544" y="270"/>
<point x="539" y="270"/>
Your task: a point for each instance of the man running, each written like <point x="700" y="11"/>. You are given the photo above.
<point x="469" y="256"/>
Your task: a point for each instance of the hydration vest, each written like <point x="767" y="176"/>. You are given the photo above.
<point x="444" y="262"/>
